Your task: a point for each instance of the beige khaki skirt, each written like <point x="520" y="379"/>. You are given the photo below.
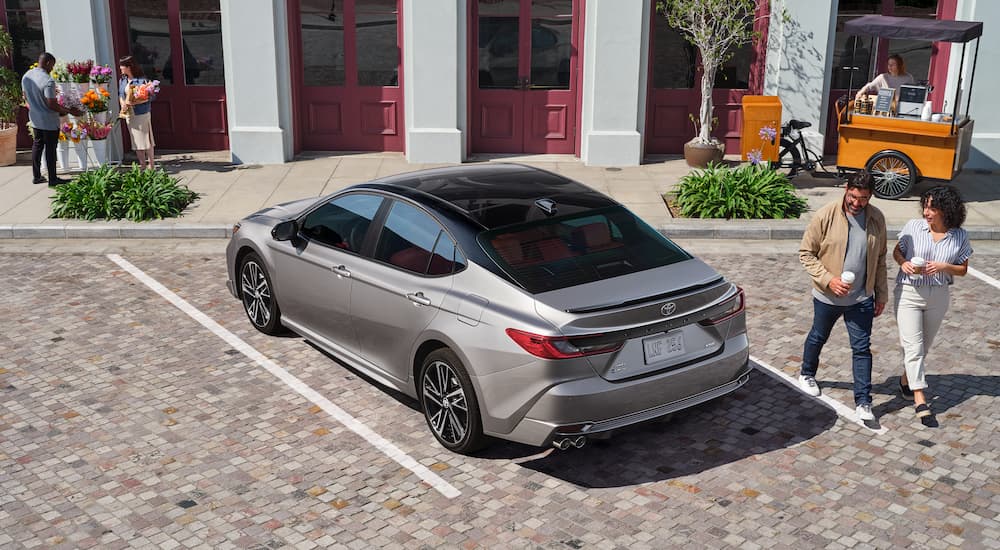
<point x="141" y="130"/>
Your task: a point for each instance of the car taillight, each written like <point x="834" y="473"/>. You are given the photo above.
<point x="736" y="305"/>
<point x="563" y="347"/>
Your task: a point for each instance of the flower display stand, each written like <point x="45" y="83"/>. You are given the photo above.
<point x="63" y="155"/>
<point x="101" y="116"/>
<point x="80" y="148"/>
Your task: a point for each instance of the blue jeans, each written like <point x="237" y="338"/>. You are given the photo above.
<point x="858" y="319"/>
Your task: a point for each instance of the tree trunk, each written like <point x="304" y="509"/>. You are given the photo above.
<point x="707" y="108"/>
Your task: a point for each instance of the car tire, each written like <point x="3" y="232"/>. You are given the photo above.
<point x="449" y="402"/>
<point x="893" y="173"/>
<point x="257" y="295"/>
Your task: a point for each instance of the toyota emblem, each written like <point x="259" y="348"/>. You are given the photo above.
<point x="668" y="309"/>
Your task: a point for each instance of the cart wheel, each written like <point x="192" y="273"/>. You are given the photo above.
<point x="893" y="172"/>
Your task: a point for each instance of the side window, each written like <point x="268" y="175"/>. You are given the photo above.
<point x="342" y="222"/>
<point x="413" y="241"/>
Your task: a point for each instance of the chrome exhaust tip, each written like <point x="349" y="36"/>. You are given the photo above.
<point x="579" y="442"/>
<point x="562" y="444"/>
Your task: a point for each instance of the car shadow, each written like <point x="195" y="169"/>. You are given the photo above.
<point x="763" y="416"/>
<point x="399" y="396"/>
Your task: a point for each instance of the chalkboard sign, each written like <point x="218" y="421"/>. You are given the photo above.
<point x="883" y="104"/>
<point x="912" y="94"/>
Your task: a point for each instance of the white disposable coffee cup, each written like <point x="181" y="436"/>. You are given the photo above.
<point x="847" y="277"/>
<point x="919" y="264"/>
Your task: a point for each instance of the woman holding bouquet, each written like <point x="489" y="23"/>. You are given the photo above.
<point x="135" y="93"/>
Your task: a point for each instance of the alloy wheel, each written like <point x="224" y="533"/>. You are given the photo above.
<point x="445" y="402"/>
<point x="893" y="175"/>
<point x="256" y="293"/>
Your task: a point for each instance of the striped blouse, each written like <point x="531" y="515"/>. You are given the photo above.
<point x="915" y="239"/>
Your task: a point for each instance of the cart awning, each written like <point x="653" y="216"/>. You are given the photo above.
<point x="911" y="28"/>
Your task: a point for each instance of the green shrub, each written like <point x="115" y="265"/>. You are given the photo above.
<point x="109" y="193"/>
<point x="752" y="191"/>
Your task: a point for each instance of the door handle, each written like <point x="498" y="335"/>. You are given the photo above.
<point x="524" y="83"/>
<point x="419" y="299"/>
<point x="341" y="271"/>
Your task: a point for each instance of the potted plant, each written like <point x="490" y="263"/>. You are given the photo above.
<point x="10" y="103"/>
<point x="716" y="28"/>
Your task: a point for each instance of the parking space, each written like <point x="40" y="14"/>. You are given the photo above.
<point x="125" y="423"/>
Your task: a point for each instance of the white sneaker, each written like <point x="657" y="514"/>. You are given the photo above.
<point x="809" y="385"/>
<point x="865" y="412"/>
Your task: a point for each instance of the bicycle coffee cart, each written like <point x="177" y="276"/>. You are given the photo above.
<point x="900" y="149"/>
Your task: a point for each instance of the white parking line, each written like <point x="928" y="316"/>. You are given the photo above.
<point x="984" y="277"/>
<point x="840" y="408"/>
<point x="291" y="381"/>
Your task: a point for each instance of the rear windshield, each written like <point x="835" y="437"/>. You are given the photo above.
<point x="567" y="251"/>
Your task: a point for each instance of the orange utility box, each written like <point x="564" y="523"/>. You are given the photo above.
<point x="759" y="112"/>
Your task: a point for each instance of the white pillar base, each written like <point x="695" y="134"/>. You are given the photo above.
<point x="432" y="145"/>
<point x="257" y="145"/>
<point x="613" y="148"/>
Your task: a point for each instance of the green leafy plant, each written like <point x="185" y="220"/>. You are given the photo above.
<point x="108" y="193"/>
<point x="751" y="191"/>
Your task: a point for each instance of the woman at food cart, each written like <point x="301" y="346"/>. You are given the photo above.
<point x="896" y="77"/>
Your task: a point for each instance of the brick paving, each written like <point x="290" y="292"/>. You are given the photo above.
<point x="123" y="423"/>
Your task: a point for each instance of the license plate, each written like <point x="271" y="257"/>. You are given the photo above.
<point x="663" y="347"/>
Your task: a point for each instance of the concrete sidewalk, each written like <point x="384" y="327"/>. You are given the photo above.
<point x="228" y="193"/>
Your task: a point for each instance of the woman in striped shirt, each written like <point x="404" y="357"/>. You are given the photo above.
<point x="921" y="294"/>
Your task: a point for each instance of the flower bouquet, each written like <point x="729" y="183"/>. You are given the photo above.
<point x="100" y="74"/>
<point x="147" y="92"/>
<point x="60" y="73"/>
<point x="79" y="71"/>
<point x="98" y="130"/>
<point x="74" y="132"/>
<point x="95" y="101"/>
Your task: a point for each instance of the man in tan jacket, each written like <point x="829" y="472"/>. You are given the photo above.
<point x="847" y="235"/>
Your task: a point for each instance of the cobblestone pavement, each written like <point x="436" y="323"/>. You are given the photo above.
<point x="123" y="423"/>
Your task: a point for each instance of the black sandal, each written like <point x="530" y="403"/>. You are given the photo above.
<point x="923" y="410"/>
<point x="904" y="390"/>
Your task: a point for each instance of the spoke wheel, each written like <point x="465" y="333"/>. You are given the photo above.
<point x="894" y="174"/>
<point x="257" y="296"/>
<point x="449" y="402"/>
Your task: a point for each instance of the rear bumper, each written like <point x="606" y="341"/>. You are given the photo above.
<point x="594" y="405"/>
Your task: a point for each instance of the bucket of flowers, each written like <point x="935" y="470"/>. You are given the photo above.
<point x="98" y="133"/>
<point x="77" y="135"/>
<point x="79" y="72"/>
<point x="62" y="77"/>
<point x="96" y="102"/>
<point x="101" y="75"/>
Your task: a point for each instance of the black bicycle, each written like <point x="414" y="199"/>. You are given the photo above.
<point x="794" y="155"/>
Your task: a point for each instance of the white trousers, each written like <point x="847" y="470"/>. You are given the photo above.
<point x="919" y="313"/>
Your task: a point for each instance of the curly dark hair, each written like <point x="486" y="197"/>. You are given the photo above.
<point x="862" y="180"/>
<point x="946" y="199"/>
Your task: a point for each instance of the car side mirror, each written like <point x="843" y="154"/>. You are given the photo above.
<point x="285" y="231"/>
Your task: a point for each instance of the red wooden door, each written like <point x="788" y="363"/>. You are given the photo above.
<point x="179" y="43"/>
<point x="675" y="87"/>
<point x="523" y="72"/>
<point x="346" y="74"/>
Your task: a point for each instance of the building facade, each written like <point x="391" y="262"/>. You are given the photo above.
<point x="441" y="80"/>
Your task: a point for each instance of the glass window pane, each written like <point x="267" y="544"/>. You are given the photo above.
<point x="25" y="29"/>
<point x="673" y="57"/>
<point x="24" y="5"/>
<point x="916" y="54"/>
<point x="551" y="42"/>
<point x="376" y="44"/>
<point x="498" y="52"/>
<point x="343" y="222"/>
<point x="734" y="74"/>
<point x="201" y="36"/>
<point x="408" y="238"/>
<point x="843" y="69"/>
<point x="149" y="36"/>
<point x="322" y="42"/>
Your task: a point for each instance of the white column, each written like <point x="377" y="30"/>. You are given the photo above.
<point x="615" y="60"/>
<point x="258" y="80"/>
<point x="434" y="79"/>
<point x="985" y="154"/>
<point x="81" y="29"/>
<point x="800" y="42"/>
